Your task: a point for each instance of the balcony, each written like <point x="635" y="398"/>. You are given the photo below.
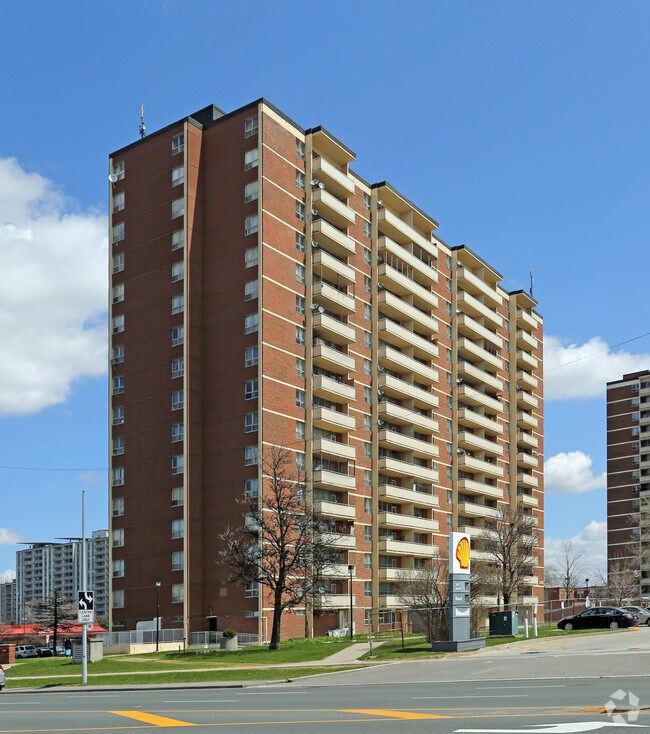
<point x="401" y="442"/>
<point x="526" y="360"/>
<point x="526" y="400"/>
<point x="472" y="486"/>
<point x="472" y="306"/>
<point x="405" y="417"/>
<point x="525" y="379"/>
<point x="335" y="449"/>
<point x="473" y="509"/>
<point x="524" y="459"/>
<point x="468" y="349"/>
<point x="332" y="420"/>
<point x="333" y="330"/>
<point x="395" y="334"/>
<point x="331" y="359"/>
<point x="471" y="371"/>
<point x="334" y="300"/>
<point x="527" y="480"/>
<point x="336" y="571"/>
<point x="397" y="388"/>
<point x="469" y="327"/>
<point x="473" y="284"/>
<point x="399" y="574"/>
<point x="334" y="179"/>
<point x="334" y="390"/>
<point x="332" y="239"/>
<point x="408" y="522"/>
<point x="398" y="468"/>
<point x="389" y="493"/>
<point x="397" y="282"/>
<point x="332" y="209"/>
<point x="333" y="480"/>
<point x="405" y="548"/>
<point x="471" y="395"/>
<point x="527" y="419"/>
<point x="401" y="363"/>
<point x="399" y="310"/>
<point x="471" y="463"/>
<point x="386" y="601"/>
<point x="468" y="440"/>
<point x="403" y="233"/>
<point x="334" y="601"/>
<point x="335" y="510"/>
<point x="526" y="341"/>
<point x="526" y="439"/>
<point x="525" y="319"/>
<point x="331" y="268"/>
<point x="339" y="540"/>
<point x="416" y="269"/>
<point x="470" y="417"/>
<point x="527" y="500"/>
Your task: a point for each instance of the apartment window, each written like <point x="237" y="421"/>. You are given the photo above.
<point x="250" y="290"/>
<point x="367" y="367"/>
<point x="449" y="449"/>
<point x="300" y="398"/>
<point x="117" y="506"/>
<point x="367" y="256"/>
<point x="178" y="176"/>
<point x="118" y="415"/>
<point x="448" y="308"/>
<point x="178" y="239"/>
<point x="300" y="336"/>
<point x="178" y="367"/>
<point x="178" y="144"/>
<point x="178" y="335"/>
<point x="118" y="598"/>
<point x="367" y="588"/>
<point x="300" y="211"/>
<point x="118" y="324"/>
<point x="449" y="426"/>
<point x="178" y="271"/>
<point x="178" y="560"/>
<point x="251" y="589"/>
<point x="250" y="257"/>
<point x="250" y="356"/>
<point x="178" y="528"/>
<point x="367" y="340"/>
<point x="367" y="311"/>
<point x="449" y="356"/>
<point x="178" y="464"/>
<point x="300" y="149"/>
<point x="250" y="323"/>
<point x="251" y="224"/>
<point x="300" y="366"/>
<point x="300" y="466"/>
<point x="118" y="233"/>
<point x="367" y="478"/>
<point x="118" y="445"/>
<point x="118" y="476"/>
<point x="251" y="191"/>
<point x="118" y="170"/>
<point x="448" y="331"/>
<point x="178" y="303"/>
<point x="300" y="305"/>
<point x="301" y="242"/>
<point x="250" y="455"/>
<point x="178" y="498"/>
<point x="177" y="400"/>
<point x="366" y="228"/>
<point x="251" y="489"/>
<point x="250" y="389"/>
<point x="367" y="283"/>
<point x="300" y="430"/>
<point x="366" y="201"/>
<point x="367" y="533"/>
<point x="367" y="394"/>
<point x="118" y="263"/>
<point x="449" y="473"/>
<point x="367" y="450"/>
<point x="251" y="422"/>
<point x="178" y="432"/>
<point x="117" y="354"/>
<point x="250" y="126"/>
<point x="118" y="537"/>
<point x="251" y="159"/>
<point x="300" y="180"/>
<point x="300" y="273"/>
<point x="118" y="385"/>
<point x="448" y="284"/>
<point x="178" y="208"/>
<point x="178" y="593"/>
<point x="367" y="422"/>
<point x="118" y="202"/>
<point x="118" y="568"/>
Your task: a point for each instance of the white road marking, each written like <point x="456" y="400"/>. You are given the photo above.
<point x="182" y="700"/>
<point x="470" y="695"/>
<point x="502" y="688"/>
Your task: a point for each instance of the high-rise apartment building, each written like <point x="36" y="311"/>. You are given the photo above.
<point x="8" y="602"/>
<point x="264" y="294"/>
<point x="628" y="477"/>
<point x="43" y="567"/>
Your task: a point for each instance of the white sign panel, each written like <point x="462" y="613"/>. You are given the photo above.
<point x="85" y="616"/>
<point x="459" y="553"/>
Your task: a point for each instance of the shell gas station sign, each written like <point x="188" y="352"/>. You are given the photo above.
<point x="459" y="554"/>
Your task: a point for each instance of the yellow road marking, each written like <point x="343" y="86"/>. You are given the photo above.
<point x="151" y="718"/>
<point x="394" y="714"/>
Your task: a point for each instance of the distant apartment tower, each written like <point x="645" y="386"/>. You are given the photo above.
<point x="8" y="602"/>
<point x="264" y="294"/>
<point x="43" y="567"/>
<point x="628" y="475"/>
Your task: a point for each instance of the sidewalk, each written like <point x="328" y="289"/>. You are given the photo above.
<point x="351" y="654"/>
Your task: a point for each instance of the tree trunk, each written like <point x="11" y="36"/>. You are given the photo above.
<point x="277" y="618"/>
<point x="506" y="600"/>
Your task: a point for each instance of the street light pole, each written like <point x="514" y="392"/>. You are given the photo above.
<point x="350" y="571"/>
<point x="157" y="614"/>
<point x="586" y="592"/>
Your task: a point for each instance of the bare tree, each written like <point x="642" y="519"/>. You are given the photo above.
<point x="55" y="613"/>
<point x="568" y="572"/>
<point x="284" y="544"/>
<point x="425" y="591"/>
<point x="622" y="580"/>
<point x="510" y="539"/>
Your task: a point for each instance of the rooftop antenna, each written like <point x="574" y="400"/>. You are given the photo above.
<point x="532" y="283"/>
<point x="142" y="127"/>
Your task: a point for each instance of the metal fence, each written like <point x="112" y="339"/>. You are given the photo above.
<point x="211" y="639"/>
<point x="148" y="637"/>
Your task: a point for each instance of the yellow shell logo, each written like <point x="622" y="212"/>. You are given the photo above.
<point x="462" y="553"/>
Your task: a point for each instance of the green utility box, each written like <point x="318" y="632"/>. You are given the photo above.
<point x="503" y="623"/>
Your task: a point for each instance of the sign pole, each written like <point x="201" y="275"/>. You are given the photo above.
<point x="84" y="575"/>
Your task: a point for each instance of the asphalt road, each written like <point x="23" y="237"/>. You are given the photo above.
<point x="407" y="697"/>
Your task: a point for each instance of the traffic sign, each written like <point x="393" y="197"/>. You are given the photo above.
<point x="86" y="600"/>
<point x="85" y="616"/>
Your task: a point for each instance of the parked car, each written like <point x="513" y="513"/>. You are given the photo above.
<point x="44" y="652"/>
<point x="3" y="678"/>
<point x="26" y="651"/>
<point x="641" y="613"/>
<point x="611" y="617"/>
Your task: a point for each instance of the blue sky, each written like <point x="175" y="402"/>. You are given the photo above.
<point x="520" y="126"/>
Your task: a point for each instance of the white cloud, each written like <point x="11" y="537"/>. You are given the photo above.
<point x="582" y="370"/>
<point x="53" y="292"/>
<point x="8" y="537"/>
<point x="570" y="472"/>
<point x="591" y="542"/>
<point x="8" y="575"/>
